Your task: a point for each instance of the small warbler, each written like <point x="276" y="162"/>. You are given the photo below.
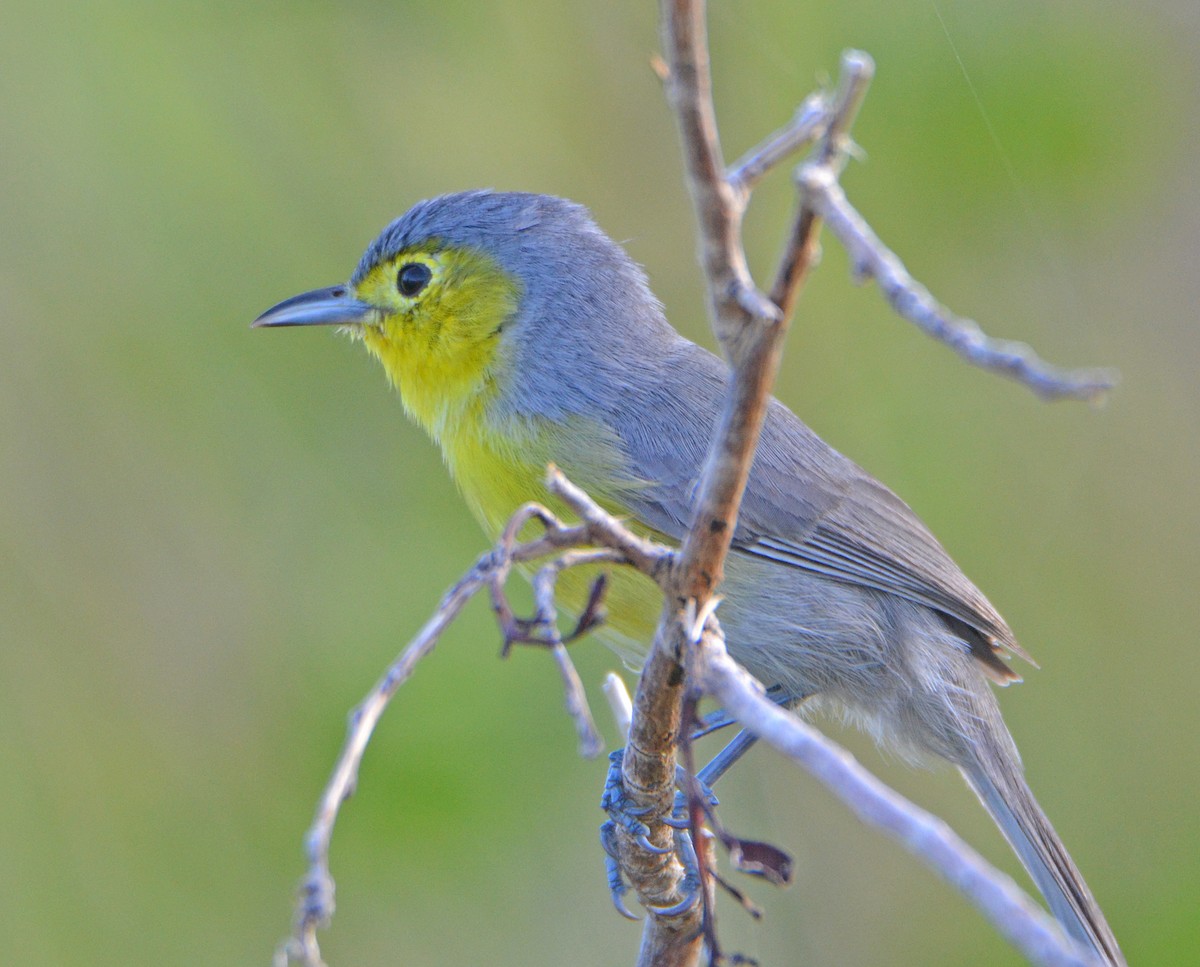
<point x="518" y="334"/>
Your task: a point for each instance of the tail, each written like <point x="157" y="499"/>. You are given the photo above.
<point x="996" y="777"/>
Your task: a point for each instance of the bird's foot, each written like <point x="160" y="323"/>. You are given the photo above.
<point x="632" y="819"/>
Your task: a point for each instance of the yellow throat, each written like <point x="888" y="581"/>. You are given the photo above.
<point x="441" y="349"/>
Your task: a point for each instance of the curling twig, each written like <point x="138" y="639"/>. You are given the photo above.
<point x="315" y="904"/>
<point x="542" y="629"/>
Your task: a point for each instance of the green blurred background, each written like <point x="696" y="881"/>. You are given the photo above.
<point x="212" y="540"/>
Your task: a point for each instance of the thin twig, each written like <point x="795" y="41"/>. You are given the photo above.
<point x="590" y="742"/>
<point x="807" y="125"/>
<point x="544" y="583"/>
<point x="747" y="324"/>
<point x="800" y="253"/>
<point x="689" y="93"/>
<point x="870" y="258"/>
<point x="750" y="329"/>
<point x="604" y="530"/>
<point x="656" y="874"/>
<point x="315" y="904"/>
<point x="619" y="702"/>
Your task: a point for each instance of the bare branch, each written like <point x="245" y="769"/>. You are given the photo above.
<point x="671" y="939"/>
<point x="689" y="92"/>
<point x="747" y="324"/>
<point x="750" y="327"/>
<point x="648" y="776"/>
<point x="619" y="702"/>
<point x="751" y="330"/>
<point x="648" y="765"/>
<point x="800" y="252"/>
<point x="315" y="904"/>
<point x="715" y="673"/>
<point x="872" y="259"/>
<point x="590" y="742"/>
<point x="856" y="72"/>
<point x="605" y="530"/>
<point x="1026" y="926"/>
<point x="807" y="125"/>
<point x="544" y="582"/>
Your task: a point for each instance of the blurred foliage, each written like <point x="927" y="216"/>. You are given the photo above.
<point x="212" y="540"/>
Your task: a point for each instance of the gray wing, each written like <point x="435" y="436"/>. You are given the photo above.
<point x="806" y="505"/>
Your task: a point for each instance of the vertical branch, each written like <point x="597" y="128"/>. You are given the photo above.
<point x="689" y="93"/>
<point x="648" y="776"/>
<point x="749" y="327"/>
<point x="751" y="330"/>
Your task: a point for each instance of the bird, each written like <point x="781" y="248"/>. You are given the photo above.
<point x="517" y="333"/>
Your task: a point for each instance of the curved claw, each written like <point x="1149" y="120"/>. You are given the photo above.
<point x="608" y="839"/>
<point x="649" y="847"/>
<point x="617" y="897"/>
<point x="625" y="816"/>
<point x="683" y="906"/>
<point x="622" y="811"/>
<point x="617" y="887"/>
<point x="690" y="884"/>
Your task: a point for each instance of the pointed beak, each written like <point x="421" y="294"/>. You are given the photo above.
<point x="335" y="306"/>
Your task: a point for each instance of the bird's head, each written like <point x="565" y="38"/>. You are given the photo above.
<point x="488" y="297"/>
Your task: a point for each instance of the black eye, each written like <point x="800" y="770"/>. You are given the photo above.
<point x="412" y="278"/>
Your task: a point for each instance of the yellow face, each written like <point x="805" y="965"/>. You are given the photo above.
<point x="439" y="315"/>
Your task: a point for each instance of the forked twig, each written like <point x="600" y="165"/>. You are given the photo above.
<point x="542" y="629"/>
<point x="713" y="672"/>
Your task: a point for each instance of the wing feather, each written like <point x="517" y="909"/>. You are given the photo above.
<point x="806" y="505"/>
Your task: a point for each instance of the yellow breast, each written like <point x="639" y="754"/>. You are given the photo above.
<point x="441" y="350"/>
<point x="498" y="473"/>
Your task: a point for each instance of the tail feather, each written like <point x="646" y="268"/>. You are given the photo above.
<point x="998" y="782"/>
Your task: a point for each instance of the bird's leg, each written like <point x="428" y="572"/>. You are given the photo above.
<point x="715" y="721"/>
<point x="724" y="760"/>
